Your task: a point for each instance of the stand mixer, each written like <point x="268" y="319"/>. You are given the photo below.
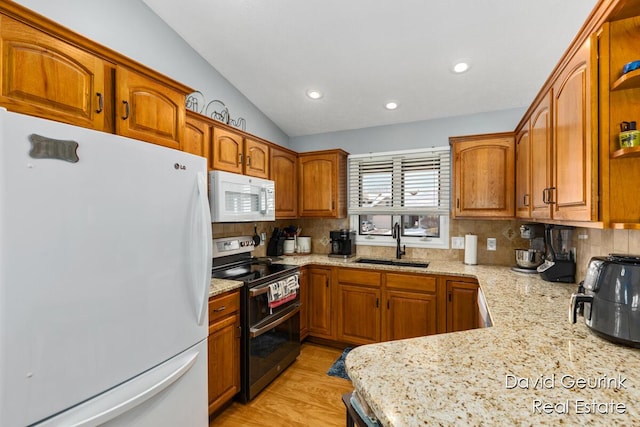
<point x="527" y="260"/>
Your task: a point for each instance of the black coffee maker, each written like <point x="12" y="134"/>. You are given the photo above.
<point x="343" y="243"/>
<point x="559" y="264"/>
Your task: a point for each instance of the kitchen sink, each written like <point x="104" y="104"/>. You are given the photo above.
<point x="396" y="262"/>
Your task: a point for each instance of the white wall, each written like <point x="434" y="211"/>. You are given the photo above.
<point x="406" y="136"/>
<point x="131" y="28"/>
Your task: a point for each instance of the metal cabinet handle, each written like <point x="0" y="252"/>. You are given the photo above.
<point x="248" y="160"/>
<point x="126" y="110"/>
<point x="544" y="196"/>
<point x="219" y="309"/>
<point x="525" y="201"/>
<point x="549" y="201"/>
<point x="100" y="102"/>
<point x="240" y="158"/>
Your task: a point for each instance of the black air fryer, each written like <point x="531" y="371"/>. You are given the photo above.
<point x="609" y="298"/>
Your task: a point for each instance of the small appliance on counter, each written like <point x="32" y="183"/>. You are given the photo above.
<point x="608" y="297"/>
<point x="275" y="247"/>
<point x="343" y="243"/>
<point x="528" y="260"/>
<point x="559" y="264"/>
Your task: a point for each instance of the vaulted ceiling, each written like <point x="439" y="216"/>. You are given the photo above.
<point x="360" y="54"/>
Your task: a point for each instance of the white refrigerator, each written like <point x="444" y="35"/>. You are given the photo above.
<point x="105" y="266"/>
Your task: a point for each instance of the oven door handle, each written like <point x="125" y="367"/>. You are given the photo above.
<point x="286" y="315"/>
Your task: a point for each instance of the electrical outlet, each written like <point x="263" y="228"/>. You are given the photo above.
<point x="491" y="244"/>
<point x="457" y="243"/>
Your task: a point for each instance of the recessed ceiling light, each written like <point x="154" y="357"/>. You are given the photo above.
<point x="391" y="105"/>
<point x="314" y="94"/>
<point x="460" y="67"/>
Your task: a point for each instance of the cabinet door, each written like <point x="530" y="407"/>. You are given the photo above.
<point x="227" y="150"/>
<point x="462" y="306"/>
<point x="256" y="158"/>
<point x="572" y="142"/>
<point x="523" y="170"/>
<point x="358" y="314"/>
<point x="283" y="167"/>
<point x="304" y="303"/>
<point x="46" y="77"/>
<point x="409" y="314"/>
<point x="224" y="361"/>
<point x="148" y="111"/>
<point x="484" y="176"/>
<point x="322" y="184"/>
<point x="319" y="310"/>
<point x="541" y="134"/>
<point x="197" y="137"/>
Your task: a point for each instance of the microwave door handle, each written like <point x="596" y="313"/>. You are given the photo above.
<point x="263" y="201"/>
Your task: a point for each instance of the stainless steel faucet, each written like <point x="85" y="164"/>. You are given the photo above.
<point x="396" y="235"/>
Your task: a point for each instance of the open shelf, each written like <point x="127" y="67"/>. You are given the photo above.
<point x="626" y="152"/>
<point x="629" y="80"/>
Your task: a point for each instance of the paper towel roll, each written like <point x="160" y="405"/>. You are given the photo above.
<point x="471" y="249"/>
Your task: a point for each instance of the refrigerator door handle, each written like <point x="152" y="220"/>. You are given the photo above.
<point x="203" y="265"/>
<point x="126" y="397"/>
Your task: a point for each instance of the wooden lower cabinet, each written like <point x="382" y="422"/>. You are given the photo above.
<point x="411" y="306"/>
<point x="359" y="310"/>
<point x="319" y="294"/>
<point x="224" y="349"/>
<point x="304" y="303"/>
<point x="462" y="305"/>
<point x="360" y="306"/>
<point x="409" y="315"/>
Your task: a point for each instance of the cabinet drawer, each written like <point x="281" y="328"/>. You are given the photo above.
<point x="411" y="282"/>
<point x="223" y="305"/>
<point x="359" y="277"/>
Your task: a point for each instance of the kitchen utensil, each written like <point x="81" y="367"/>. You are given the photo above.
<point x="256" y="237"/>
<point x="528" y="258"/>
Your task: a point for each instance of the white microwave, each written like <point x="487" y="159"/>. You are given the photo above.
<point x="240" y="198"/>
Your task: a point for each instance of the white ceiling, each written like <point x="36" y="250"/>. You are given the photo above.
<point x="363" y="53"/>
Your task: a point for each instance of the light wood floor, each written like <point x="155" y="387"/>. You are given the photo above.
<point x="303" y="395"/>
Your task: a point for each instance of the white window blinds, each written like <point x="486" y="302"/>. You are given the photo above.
<point x="406" y="182"/>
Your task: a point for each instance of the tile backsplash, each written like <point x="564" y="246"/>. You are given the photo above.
<point x="588" y="242"/>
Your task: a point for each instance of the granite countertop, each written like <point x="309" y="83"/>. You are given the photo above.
<point x="532" y="367"/>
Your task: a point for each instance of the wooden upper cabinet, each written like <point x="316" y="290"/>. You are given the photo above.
<point x="256" y="158"/>
<point x="148" y="110"/>
<point x="541" y="144"/>
<point x="523" y="173"/>
<point x="283" y="171"/>
<point x="484" y="177"/>
<point x="226" y="150"/>
<point x="232" y="152"/>
<point x="322" y="180"/>
<point x="46" y="77"/>
<point x="574" y="140"/>
<point x="197" y="136"/>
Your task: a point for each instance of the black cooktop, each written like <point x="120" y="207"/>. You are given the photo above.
<point x="251" y="271"/>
